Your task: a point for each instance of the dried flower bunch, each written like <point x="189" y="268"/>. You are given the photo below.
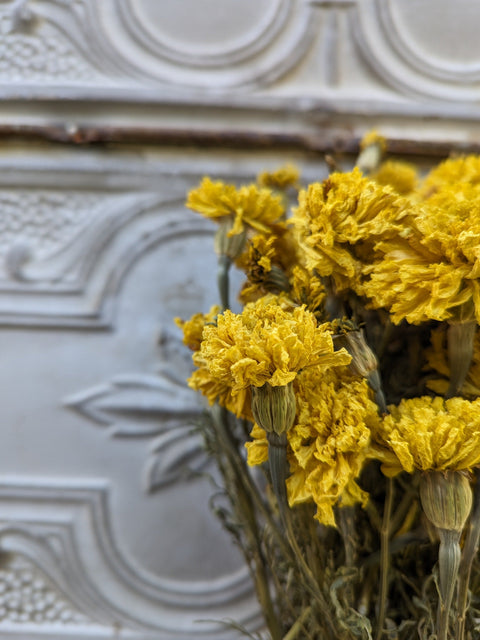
<point x="352" y="379"/>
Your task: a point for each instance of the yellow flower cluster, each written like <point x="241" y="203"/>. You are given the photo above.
<point x="431" y="269"/>
<point x="267" y="263"/>
<point x="451" y="173"/>
<point x="263" y="344"/>
<point x="430" y="434"/>
<point x="307" y="289"/>
<point x="340" y="221"/>
<point x="388" y="241"/>
<point x="249" y="206"/>
<point x="401" y="176"/>
<point x="283" y="178"/>
<point x="329" y="441"/>
<point x="193" y="328"/>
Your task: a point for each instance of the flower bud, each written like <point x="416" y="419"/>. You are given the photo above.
<point x="364" y="362"/>
<point x="274" y="408"/>
<point x="227" y="244"/>
<point x="372" y="148"/>
<point x="446" y="499"/>
<point x="460" y="353"/>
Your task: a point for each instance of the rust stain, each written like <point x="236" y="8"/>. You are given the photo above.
<point x="322" y="141"/>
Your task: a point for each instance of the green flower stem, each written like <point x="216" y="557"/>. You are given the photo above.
<point x="409" y="498"/>
<point x="384" y="558"/>
<point x="244" y="496"/>
<point x="223" y="280"/>
<point x="298" y="627"/>
<point x="277" y="460"/>
<point x="277" y="454"/>
<point x="469" y="552"/>
<point x="346" y="525"/>
<point x="375" y="384"/>
<point x="448" y="563"/>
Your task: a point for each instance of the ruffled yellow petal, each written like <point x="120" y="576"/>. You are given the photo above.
<point x="329" y="441"/>
<point x="433" y="434"/>
<point x="282" y="178"/>
<point x="250" y="205"/>
<point x="265" y="344"/>
<point x="339" y="221"/>
<point x="193" y="328"/>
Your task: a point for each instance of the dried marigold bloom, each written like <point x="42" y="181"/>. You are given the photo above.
<point x="432" y="270"/>
<point x="401" y="176"/>
<point x="265" y="344"/>
<point x="248" y="206"/>
<point x="340" y="221"/>
<point x="328" y="443"/>
<point x="282" y="178"/>
<point x="430" y="434"/>
<point x="193" y="328"/>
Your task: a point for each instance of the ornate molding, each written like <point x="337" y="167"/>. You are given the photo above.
<point x="28" y="596"/>
<point x="63" y="529"/>
<point x="146" y="42"/>
<point x="413" y="67"/>
<point x="160" y="408"/>
<point x="32" y="51"/>
<point x="274" y="57"/>
<point x="66" y="253"/>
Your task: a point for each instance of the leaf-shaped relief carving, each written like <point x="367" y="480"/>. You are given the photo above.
<point x="174" y="455"/>
<point x="159" y="407"/>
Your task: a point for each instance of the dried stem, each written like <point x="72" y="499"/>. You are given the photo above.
<point x="448" y="563"/>
<point x="224" y="264"/>
<point x="384" y="558"/>
<point x="469" y="552"/>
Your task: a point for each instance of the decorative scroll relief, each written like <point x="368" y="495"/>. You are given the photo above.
<point x="46" y="222"/>
<point x="222" y="44"/>
<point x="293" y="53"/>
<point x="68" y="571"/>
<point x="66" y="253"/>
<point x="400" y="41"/>
<point x="34" y="51"/>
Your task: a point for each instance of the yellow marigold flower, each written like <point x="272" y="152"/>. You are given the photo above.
<point x="248" y="206"/>
<point x="340" y="220"/>
<point x="329" y="441"/>
<point x="431" y="434"/>
<point x="282" y="178"/>
<point x="451" y="173"/>
<point x="417" y="286"/>
<point x="435" y="268"/>
<point x="216" y="390"/>
<point x="265" y="344"/>
<point x="401" y="176"/>
<point x="193" y="328"/>
<point x="439" y="369"/>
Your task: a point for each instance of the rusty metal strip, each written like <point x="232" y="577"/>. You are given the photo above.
<point x="321" y="141"/>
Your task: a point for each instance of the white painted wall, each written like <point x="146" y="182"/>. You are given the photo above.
<point x="101" y="536"/>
